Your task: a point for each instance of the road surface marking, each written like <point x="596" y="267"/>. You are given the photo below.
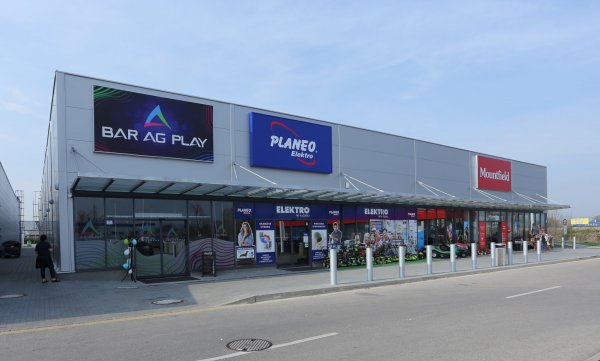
<point x="236" y="354"/>
<point x="532" y="292"/>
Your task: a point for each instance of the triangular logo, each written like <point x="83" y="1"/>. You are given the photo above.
<point x="152" y="121"/>
<point x="89" y="227"/>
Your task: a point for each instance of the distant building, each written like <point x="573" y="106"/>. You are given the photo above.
<point x="580" y="222"/>
<point x="9" y="210"/>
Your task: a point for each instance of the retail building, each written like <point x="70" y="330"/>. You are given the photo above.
<point x="183" y="175"/>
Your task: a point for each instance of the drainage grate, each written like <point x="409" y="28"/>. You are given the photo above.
<point x="16" y="295"/>
<point x="249" y="345"/>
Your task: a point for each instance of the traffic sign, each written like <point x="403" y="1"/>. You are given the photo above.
<point x="564" y="222"/>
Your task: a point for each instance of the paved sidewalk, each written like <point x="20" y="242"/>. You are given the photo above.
<point x="92" y="296"/>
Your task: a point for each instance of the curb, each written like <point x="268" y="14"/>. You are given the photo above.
<point x="390" y="282"/>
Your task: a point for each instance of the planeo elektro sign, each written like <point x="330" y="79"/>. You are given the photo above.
<point x="493" y="174"/>
<point x="282" y="143"/>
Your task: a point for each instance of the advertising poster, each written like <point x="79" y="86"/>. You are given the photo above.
<point x="504" y="227"/>
<point x="245" y="256"/>
<point x="416" y="240"/>
<point x="140" y="124"/>
<point x="265" y="242"/>
<point x="402" y="230"/>
<point x="482" y="235"/>
<point x="319" y="240"/>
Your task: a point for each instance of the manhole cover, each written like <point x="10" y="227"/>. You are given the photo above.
<point x="249" y="345"/>
<point x="168" y="301"/>
<point x="16" y="295"/>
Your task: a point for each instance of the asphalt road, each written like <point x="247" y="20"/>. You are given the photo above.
<point x="548" y="312"/>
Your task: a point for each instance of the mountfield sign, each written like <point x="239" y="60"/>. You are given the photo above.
<point x="133" y="123"/>
<point x="289" y="144"/>
<point x="493" y="174"/>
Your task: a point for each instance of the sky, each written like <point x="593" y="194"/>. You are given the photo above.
<point x="513" y="79"/>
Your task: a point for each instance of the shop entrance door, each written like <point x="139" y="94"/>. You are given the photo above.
<point x="292" y="240"/>
<point x="161" y="248"/>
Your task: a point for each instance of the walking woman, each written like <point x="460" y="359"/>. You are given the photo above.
<point x="44" y="259"/>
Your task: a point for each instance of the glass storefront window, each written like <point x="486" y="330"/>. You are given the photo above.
<point x="224" y="234"/>
<point x="475" y="226"/>
<point x="200" y="216"/>
<point x="160" y="208"/>
<point x="90" y="245"/>
<point x="200" y="232"/>
<point x="119" y="225"/>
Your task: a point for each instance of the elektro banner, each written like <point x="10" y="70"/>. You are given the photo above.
<point x="282" y="143"/>
<point x="133" y="123"/>
<point x="493" y="174"/>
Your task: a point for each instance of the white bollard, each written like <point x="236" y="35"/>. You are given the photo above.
<point x="474" y="255"/>
<point x="539" y="250"/>
<point x="510" y="253"/>
<point x="574" y="242"/>
<point x="401" y="260"/>
<point x="493" y="254"/>
<point x="453" y="258"/>
<point x="563" y="242"/>
<point x="525" y="250"/>
<point x="333" y="266"/>
<point x="429" y="259"/>
<point x="369" y="264"/>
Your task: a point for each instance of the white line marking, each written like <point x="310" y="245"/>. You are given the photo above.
<point x="231" y="355"/>
<point x="304" y="340"/>
<point x="532" y="292"/>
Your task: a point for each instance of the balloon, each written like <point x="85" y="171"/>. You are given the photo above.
<point x="126" y="252"/>
<point x="126" y="265"/>
<point x="130" y="271"/>
<point x="126" y="241"/>
<point x="134" y="241"/>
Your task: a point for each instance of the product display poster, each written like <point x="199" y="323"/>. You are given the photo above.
<point x="319" y="240"/>
<point x="504" y="227"/>
<point x="413" y="241"/>
<point x="245" y="256"/>
<point x="482" y="235"/>
<point x="265" y="242"/>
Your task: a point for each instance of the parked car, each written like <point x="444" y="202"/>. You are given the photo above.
<point x="10" y="249"/>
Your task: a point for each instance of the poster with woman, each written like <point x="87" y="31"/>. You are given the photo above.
<point x="245" y="236"/>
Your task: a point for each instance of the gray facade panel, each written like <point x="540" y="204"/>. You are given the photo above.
<point x="392" y="163"/>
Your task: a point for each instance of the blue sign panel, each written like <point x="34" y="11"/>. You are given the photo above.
<point x="264" y="211"/>
<point x="244" y="210"/>
<point x="133" y="123"/>
<point x="368" y="213"/>
<point x="292" y="211"/>
<point x="282" y="143"/>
